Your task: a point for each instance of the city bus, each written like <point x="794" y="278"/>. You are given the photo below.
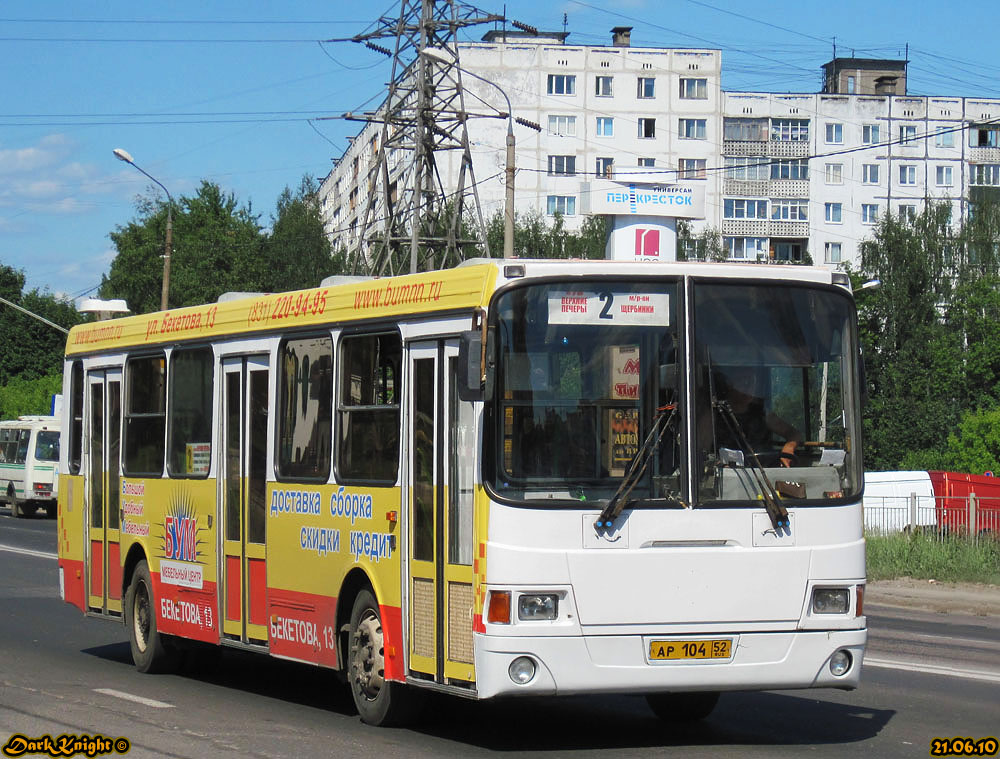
<point x="29" y="458"/>
<point x="510" y="478"/>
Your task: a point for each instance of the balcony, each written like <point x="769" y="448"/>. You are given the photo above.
<point x="984" y="155"/>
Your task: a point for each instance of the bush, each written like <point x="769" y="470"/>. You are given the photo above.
<point x="927" y="556"/>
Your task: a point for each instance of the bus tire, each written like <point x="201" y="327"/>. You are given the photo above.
<point x="379" y="701"/>
<point x="679" y="708"/>
<point x="15" y="506"/>
<point x="149" y="650"/>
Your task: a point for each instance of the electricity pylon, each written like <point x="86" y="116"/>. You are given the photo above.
<point x="411" y="220"/>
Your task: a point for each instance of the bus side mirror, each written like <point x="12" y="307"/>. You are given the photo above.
<point x="475" y="369"/>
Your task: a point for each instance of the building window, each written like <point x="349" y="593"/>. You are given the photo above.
<point x="870" y="134"/>
<point x="985" y="174"/>
<point x="834" y="134"/>
<point x="694" y="89"/>
<point x="739" y="208"/>
<point x="691" y="168"/>
<point x="746" y="248"/>
<point x="562" y="165"/>
<point x="604" y="87"/>
<point x="850" y="85"/>
<point x="944" y="138"/>
<point x="908" y="213"/>
<point x="869" y="173"/>
<point x="943" y="176"/>
<point x="907" y="135"/>
<point x="562" y="84"/>
<point x="305" y="411"/>
<point x="605" y="167"/>
<point x="869" y="212"/>
<point x="788" y="251"/>
<point x="790" y="130"/>
<point x="833" y="212"/>
<point x="795" y="168"/>
<point x="562" y="204"/>
<point x="647" y="162"/>
<point x="368" y="407"/>
<point x="745" y="130"/>
<point x="605" y="126"/>
<point x="691" y="129"/>
<point x="647" y="128"/>
<point x="748" y="168"/>
<point x="790" y="210"/>
<point x="984" y="137"/>
<point x="835" y="173"/>
<point x="645" y="87"/>
<point x="907" y="174"/>
<point x="562" y="125"/>
<point x="831" y="252"/>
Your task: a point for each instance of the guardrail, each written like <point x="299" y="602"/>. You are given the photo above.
<point x="944" y="516"/>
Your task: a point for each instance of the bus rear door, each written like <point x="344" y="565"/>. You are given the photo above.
<point x="440" y="495"/>
<point x="103" y="488"/>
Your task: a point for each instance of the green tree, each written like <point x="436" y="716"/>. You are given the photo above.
<point x="31" y="348"/>
<point x="29" y="396"/>
<point x="215" y="247"/>
<point x="975" y="446"/>
<point x="296" y="253"/>
<point x="534" y="237"/>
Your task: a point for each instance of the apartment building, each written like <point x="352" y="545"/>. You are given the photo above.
<point x="784" y="176"/>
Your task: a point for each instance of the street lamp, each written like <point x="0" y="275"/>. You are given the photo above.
<point x="123" y="155"/>
<point x="508" y="227"/>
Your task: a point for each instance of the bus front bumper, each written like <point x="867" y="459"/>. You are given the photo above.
<point x="565" y="665"/>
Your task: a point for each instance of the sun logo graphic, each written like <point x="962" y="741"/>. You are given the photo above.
<point x="180" y="530"/>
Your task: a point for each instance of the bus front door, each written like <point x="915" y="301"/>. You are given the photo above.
<point x="103" y="488"/>
<point x="243" y="590"/>
<point x="440" y="468"/>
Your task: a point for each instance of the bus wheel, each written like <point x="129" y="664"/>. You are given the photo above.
<point x="149" y="651"/>
<point x="682" y="707"/>
<point x="15" y="506"/>
<point x="379" y="701"/>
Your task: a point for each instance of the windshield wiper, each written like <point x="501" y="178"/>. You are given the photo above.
<point x="772" y="503"/>
<point x="637" y="466"/>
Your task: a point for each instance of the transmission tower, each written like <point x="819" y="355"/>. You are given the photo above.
<point x="411" y="220"/>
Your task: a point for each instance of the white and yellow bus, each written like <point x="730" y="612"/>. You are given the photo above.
<point x="29" y="459"/>
<point x="509" y="478"/>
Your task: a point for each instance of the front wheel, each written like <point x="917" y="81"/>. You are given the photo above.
<point x="379" y="701"/>
<point x="682" y="707"/>
<point x="149" y="651"/>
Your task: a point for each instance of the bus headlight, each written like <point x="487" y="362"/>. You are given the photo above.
<point x="521" y="670"/>
<point x="831" y="601"/>
<point x="537" y="606"/>
<point x="840" y="663"/>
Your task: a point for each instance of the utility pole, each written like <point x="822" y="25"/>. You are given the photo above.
<point x="410" y="220"/>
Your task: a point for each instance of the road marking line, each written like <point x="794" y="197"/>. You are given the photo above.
<point x="29" y="552"/>
<point x="137" y="699"/>
<point x="935" y="669"/>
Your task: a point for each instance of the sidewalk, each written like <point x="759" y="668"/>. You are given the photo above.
<point x="941" y="597"/>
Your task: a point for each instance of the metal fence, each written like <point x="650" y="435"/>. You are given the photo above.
<point x="941" y="516"/>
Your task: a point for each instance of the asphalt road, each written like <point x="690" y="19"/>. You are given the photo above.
<point x="937" y="675"/>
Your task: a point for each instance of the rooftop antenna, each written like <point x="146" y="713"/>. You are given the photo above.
<point x="565" y="22"/>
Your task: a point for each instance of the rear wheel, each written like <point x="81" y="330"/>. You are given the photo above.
<point x="379" y="701"/>
<point x="682" y="707"/>
<point x="15" y="506"/>
<point x="149" y="650"/>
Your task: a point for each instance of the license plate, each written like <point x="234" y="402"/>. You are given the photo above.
<point x="665" y="650"/>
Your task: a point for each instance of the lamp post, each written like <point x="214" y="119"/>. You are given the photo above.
<point x="508" y="226"/>
<point x="123" y="155"/>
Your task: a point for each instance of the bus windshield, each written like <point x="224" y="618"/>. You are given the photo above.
<point x="775" y="384"/>
<point x="589" y="380"/>
<point x="583" y="371"/>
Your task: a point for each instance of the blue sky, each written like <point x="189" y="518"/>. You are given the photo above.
<point x="238" y="93"/>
